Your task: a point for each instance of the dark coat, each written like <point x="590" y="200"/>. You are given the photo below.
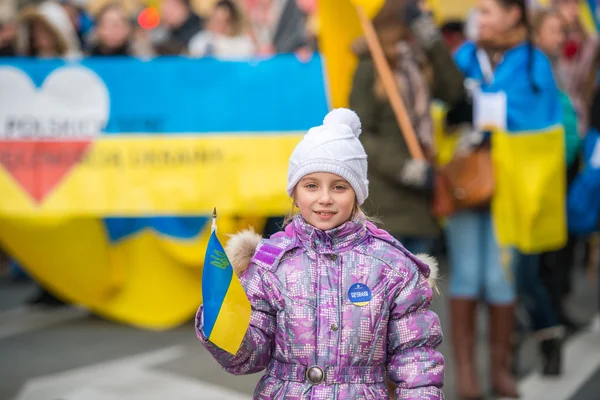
<point x="405" y="211"/>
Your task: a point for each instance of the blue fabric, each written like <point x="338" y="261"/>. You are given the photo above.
<point x="181" y="227"/>
<point x="583" y="201"/>
<point x="16" y="271"/>
<point x="476" y="264"/>
<point x="527" y="109"/>
<point x="176" y="95"/>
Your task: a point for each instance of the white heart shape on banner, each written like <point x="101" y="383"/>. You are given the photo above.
<point x="72" y="103"/>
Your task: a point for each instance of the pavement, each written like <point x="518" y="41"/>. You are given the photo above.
<point x="68" y="354"/>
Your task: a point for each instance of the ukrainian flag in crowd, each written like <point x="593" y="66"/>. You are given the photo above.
<point x="529" y="203"/>
<point x="226" y="307"/>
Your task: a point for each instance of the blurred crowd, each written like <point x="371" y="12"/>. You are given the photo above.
<point x="429" y="65"/>
<point x="229" y="29"/>
<point x="523" y="51"/>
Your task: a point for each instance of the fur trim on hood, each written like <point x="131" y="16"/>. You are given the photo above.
<point x="241" y="248"/>
<point x="56" y="20"/>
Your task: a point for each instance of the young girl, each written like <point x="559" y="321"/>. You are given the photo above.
<point x="338" y="305"/>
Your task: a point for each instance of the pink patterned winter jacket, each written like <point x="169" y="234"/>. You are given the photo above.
<point x="313" y="341"/>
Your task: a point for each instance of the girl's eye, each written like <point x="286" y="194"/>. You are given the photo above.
<point x="340" y="188"/>
<point x="311" y="186"/>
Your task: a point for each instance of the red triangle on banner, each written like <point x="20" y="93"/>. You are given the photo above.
<point x="38" y="166"/>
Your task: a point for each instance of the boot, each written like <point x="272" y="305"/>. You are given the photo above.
<point x="463" y="312"/>
<point x="551" y="350"/>
<point x="550" y="342"/>
<point x="502" y="321"/>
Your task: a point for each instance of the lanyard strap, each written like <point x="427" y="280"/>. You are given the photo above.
<point x="486" y="66"/>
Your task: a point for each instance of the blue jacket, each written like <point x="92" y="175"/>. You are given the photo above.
<point x="583" y="201"/>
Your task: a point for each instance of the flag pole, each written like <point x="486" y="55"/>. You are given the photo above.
<point x="390" y="85"/>
<point x="213" y="228"/>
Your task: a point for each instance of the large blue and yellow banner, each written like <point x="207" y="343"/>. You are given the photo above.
<point x="110" y="168"/>
<point x="130" y="137"/>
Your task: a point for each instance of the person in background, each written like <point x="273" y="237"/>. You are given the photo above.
<point x="401" y="187"/>
<point x="82" y="22"/>
<point x="8" y="34"/>
<point x="278" y="26"/>
<point x="556" y="267"/>
<point x="112" y="32"/>
<point x="225" y="35"/>
<point x="454" y="34"/>
<point x="46" y="31"/>
<point x="576" y="61"/>
<point x="502" y="59"/>
<point x="181" y="24"/>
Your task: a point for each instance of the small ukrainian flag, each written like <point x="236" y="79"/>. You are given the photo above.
<point x="226" y="307"/>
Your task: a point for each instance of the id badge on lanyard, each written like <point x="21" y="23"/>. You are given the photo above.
<point x="489" y="109"/>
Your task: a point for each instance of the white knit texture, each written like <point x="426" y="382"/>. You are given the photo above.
<point x="333" y="147"/>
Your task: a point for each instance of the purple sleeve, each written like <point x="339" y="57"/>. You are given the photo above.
<point x="414" y="333"/>
<point x="255" y="352"/>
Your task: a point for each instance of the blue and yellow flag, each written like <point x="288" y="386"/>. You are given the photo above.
<point x="129" y="170"/>
<point x="226" y="307"/>
<point x="529" y="203"/>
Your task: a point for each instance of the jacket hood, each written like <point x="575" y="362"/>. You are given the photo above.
<point x="241" y="247"/>
<point x="56" y="20"/>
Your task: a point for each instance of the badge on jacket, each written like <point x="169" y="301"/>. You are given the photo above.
<point x="359" y="294"/>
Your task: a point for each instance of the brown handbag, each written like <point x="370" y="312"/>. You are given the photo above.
<point x="465" y="182"/>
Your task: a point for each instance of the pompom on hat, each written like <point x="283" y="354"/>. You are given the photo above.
<point x="332" y="147"/>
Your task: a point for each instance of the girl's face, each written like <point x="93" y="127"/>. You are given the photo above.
<point x="325" y="200"/>
<point x="495" y="20"/>
<point x="551" y="36"/>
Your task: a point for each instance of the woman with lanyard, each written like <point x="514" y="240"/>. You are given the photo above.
<point x="513" y="89"/>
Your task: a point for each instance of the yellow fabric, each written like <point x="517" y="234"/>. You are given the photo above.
<point x="233" y="320"/>
<point x="145" y="280"/>
<point x="587" y="18"/>
<point x="444" y="10"/>
<point x="528" y="205"/>
<point x="168" y="188"/>
<point x="445" y="141"/>
<point x="338" y="28"/>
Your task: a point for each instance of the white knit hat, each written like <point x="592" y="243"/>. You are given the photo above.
<point x="332" y="147"/>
